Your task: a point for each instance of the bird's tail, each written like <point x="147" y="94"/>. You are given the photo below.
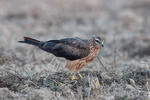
<point x="31" y="41"/>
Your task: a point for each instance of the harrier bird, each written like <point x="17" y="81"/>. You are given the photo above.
<point x="78" y="52"/>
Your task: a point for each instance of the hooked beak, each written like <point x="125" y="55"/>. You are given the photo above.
<point x="102" y="44"/>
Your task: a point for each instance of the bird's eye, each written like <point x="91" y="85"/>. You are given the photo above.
<point x="97" y="41"/>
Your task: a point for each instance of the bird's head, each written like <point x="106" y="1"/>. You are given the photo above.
<point x="98" y="41"/>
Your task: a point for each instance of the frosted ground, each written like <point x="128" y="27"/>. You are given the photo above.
<point x="27" y="73"/>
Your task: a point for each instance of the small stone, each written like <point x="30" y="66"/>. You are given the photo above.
<point x="132" y="82"/>
<point x="130" y="87"/>
<point x="105" y="76"/>
<point x="95" y="83"/>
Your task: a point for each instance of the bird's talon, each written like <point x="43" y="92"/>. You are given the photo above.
<point x="74" y="78"/>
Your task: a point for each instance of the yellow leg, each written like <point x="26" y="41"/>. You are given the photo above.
<point x="79" y="74"/>
<point x="74" y="78"/>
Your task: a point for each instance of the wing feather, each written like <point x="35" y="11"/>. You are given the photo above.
<point x="69" y="48"/>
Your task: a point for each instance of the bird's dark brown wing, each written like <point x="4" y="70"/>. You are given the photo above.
<point x="69" y="48"/>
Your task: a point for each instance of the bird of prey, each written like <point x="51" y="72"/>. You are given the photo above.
<point x="78" y="52"/>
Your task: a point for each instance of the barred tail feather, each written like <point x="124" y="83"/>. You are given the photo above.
<point x="31" y="41"/>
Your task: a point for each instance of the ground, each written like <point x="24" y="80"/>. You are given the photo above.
<point x="28" y="73"/>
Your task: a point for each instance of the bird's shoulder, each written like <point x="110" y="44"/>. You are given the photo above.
<point x="75" y="42"/>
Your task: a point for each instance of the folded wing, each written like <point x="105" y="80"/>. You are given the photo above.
<point x="69" y="48"/>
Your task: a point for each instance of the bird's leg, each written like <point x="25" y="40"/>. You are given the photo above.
<point x="73" y="77"/>
<point x="79" y="74"/>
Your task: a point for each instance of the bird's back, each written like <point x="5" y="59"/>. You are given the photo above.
<point x="69" y="48"/>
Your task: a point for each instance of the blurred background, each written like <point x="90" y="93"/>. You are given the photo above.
<point x="125" y="26"/>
